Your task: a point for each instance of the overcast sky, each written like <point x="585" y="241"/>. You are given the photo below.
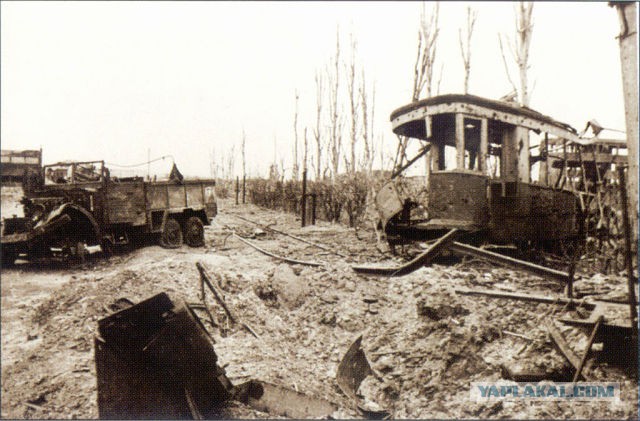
<point x="113" y="81"/>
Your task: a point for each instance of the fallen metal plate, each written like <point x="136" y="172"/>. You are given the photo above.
<point x="280" y="401"/>
<point x="421" y="260"/>
<point x="353" y="369"/>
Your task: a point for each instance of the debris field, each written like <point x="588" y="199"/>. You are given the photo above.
<point x="425" y="342"/>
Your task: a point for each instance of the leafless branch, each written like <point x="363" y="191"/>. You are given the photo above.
<point x="504" y="61"/>
<point x="466" y="52"/>
<point x="295" y="140"/>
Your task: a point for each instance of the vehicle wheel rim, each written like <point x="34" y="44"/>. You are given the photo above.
<point x="195" y="234"/>
<point x="172" y="235"/>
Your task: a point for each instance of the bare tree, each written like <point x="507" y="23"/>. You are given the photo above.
<point x="367" y="132"/>
<point x="306" y="151"/>
<point x="423" y="68"/>
<point x="244" y="155"/>
<point x="318" y="128"/>
<point x="213" y="166"/>
<point x="231" y="162"/>
<point x="336" y="122"/>
<point x="353" y="103"/>
<point x="465" y="48"/>
<point x="520" y="50"/>
<point x="295" y="141"/>
<point x="381" y="151"/>
<point x="426" y="57"/>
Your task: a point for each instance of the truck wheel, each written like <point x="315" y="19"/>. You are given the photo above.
<point x="194" y="232"/>
<point x="8" y="258"/>
<point x="171" y="237"/>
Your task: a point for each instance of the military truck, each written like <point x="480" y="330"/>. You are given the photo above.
<point x="71" y="206"/>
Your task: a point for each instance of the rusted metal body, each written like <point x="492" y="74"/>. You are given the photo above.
<point x="156" y="360"/>
<point x="478" y="174"/>
<point x="105" y="210"/>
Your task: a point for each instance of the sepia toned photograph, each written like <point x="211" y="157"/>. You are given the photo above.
<point x="319" y="210"/>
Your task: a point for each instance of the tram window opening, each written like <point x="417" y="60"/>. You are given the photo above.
<point x="471" y="143"/>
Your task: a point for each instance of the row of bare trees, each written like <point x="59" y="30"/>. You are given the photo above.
<point x="341" y="141"/>
<point x="342" y="130"/>
<point x="342" y="135"/>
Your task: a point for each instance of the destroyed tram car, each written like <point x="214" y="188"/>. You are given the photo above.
<point x="71" y="206"/>
<point x="478" y="157"/>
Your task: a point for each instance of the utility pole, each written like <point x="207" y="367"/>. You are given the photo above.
<point x="303" y="204"/>
<point x="628" y="41"/>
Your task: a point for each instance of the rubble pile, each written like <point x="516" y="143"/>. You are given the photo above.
<point x="425" y="343"/>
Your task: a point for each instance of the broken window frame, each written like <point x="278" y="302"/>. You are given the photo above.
<point x="99" y="170"/>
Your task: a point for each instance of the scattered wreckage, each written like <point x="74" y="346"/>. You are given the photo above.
<point x="71" y="206"/>
<point x="156" y="360"/>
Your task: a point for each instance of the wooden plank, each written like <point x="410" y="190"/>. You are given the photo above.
<point x="563" y="347"/>
<point x="206" y="279"/>
<point x="415" y="264"/>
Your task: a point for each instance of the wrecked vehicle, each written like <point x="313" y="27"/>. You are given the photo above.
<point x="478" y="174"/>
<point x="71" y="206"/>
<point x="155" y="360"/>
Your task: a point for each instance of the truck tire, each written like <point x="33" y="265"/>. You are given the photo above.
<point x="8" y="258"/>
<point x="194" y="232"/>
<point x="171" y="237"/>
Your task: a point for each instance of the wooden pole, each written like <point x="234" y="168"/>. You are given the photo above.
<point x="244" y="188"/>
<point x="237" y="189"/>
<point x="633" y="311"/>
<point x="304" y="198"/>
<point x="628" y="41"/>
<point x="588" y="350"/>
<point x="313" y="209"/>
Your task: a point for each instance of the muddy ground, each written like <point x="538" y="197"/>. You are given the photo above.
<point x="426" y="342"/>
